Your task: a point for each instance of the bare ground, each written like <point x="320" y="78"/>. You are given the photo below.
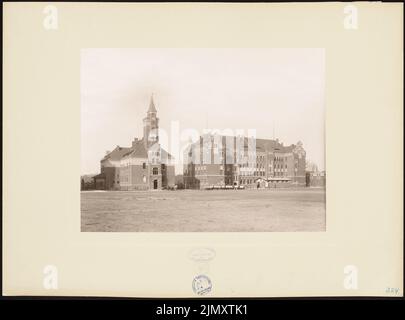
<point x="204" y="211"/>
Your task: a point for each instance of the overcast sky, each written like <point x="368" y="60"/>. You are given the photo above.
<point x="275" y="91"/>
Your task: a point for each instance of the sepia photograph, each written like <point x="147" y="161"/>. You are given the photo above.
<point x="200" y="140"/>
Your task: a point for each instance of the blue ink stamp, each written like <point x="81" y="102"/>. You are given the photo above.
<point x="202" y="285"/>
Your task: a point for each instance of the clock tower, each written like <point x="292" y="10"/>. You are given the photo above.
<point x="151" y="125"/>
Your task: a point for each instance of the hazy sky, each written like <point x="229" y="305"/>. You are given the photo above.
<point x="218" y="88"/>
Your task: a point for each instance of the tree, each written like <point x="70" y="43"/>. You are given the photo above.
<point x="311" y="166"/>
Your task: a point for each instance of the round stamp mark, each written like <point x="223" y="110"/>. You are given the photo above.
<point x="202" y="285"/>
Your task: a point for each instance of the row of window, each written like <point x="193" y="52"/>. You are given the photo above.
<point x="255" y="173"/>
<point x="263" y="158"/>
<point x="144" y="166"/>
<point x="261" y="171"/>
<point x="255" y="165"/>
<point x="126" y="179"/>
<point x="247" y="181"/>
<point x="280" y="166"/>
<point x="280" y="158"/>
<point x="243" y="162"/>
<point x="279" y="174"/>
<point x="260" y="166"/>
<point x="155" y="171"/>
<point x="260" y="158"/>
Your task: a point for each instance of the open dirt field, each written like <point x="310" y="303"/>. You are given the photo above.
<point x="204" y="211"/>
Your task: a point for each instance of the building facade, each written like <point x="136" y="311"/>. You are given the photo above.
<point x="316" y="178"/>
<point x="223" y="161"/>
<point x="142" y="166"/>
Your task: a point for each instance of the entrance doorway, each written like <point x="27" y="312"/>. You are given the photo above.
<point x="155" y="184"/>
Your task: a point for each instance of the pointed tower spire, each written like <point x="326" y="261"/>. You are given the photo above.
<point x="152" y="107"/>
<point x="151" y="125"/>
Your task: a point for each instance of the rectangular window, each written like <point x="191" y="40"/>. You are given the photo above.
<point x="144" y="165"/>
<point x="155" y="171"/>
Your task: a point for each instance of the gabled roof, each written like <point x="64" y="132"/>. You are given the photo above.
<point x="137" y="150"/>
<point x="116" y="154"/>
<point x="166" y="155"/>
<point x="163" y="153"/>
<point x="270" y="145"/>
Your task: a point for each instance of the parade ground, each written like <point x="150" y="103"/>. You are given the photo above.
<point x="268" y="210"/>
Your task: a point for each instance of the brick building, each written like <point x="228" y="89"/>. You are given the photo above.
<point x="142" y="166"/>
<point x="222" y="161"/>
